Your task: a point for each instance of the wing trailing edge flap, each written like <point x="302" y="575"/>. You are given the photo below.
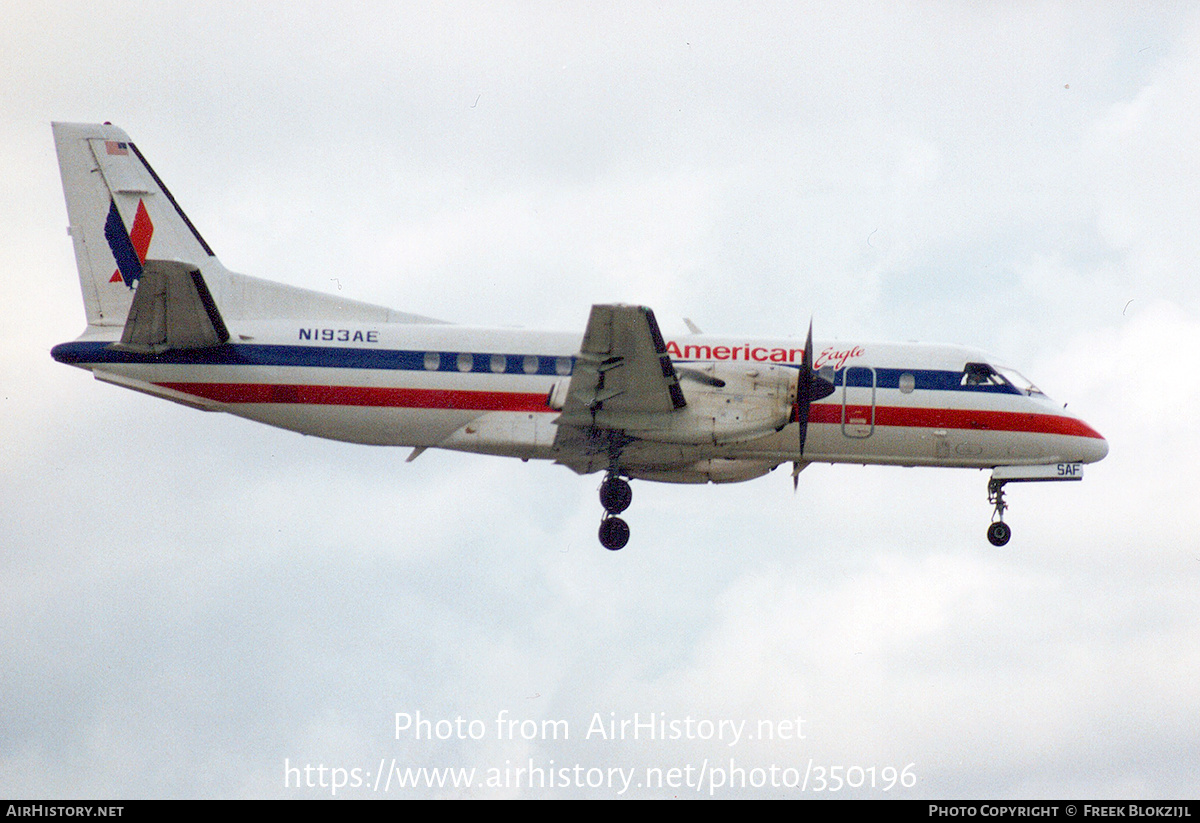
<point x="172" y="309"/>
<point x="622" y="369"/>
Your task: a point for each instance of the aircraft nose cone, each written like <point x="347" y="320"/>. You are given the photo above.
<point x="1093" y="447"/>
<point x="1097" y="450"/>
<point x="1089" y="445"/>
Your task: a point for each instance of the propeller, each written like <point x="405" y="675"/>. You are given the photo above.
<point x="809" y="387"/>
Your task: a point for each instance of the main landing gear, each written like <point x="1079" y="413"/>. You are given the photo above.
<point x="999" y="532"/>
<point x="615" y="497"/>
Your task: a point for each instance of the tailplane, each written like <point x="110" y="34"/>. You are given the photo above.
<point x="121" y="215"/>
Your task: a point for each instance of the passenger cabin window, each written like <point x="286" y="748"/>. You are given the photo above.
<point x="497" y="363"/>
<point x="432" y="360"/>
<point x="530" y="364"/>
<point x="465" y="361"/>
<point x="908" y="382"/>
<point x="562" y="365"/>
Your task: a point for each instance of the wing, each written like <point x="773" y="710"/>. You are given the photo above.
<point x="622" y="368"/>
<point x="622" y="373"/>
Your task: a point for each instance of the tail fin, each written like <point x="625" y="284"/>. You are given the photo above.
<point x="120" y="215"/>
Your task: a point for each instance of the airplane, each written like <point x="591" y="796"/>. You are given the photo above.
<point x="164" y="317"/>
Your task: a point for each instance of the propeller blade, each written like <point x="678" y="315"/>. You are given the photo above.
<point x="809" y="387"/>
<point x="797" y="467"/>
<point x="804" y="389"/>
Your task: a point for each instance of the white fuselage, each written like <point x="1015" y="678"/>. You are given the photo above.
<point x="487" y="391"/>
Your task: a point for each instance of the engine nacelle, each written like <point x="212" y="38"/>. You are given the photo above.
<point x="726" y="403"/>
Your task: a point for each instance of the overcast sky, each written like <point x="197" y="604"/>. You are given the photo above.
<point x="192" y="603"/>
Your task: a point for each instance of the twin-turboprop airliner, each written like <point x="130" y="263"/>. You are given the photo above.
<point x="164" y="317"/>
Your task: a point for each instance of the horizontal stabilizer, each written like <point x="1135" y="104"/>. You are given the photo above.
<point x="172" y="309"/>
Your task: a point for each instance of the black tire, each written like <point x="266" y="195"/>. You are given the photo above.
<point x="614" y="533"/>
<point x="615" y="495"/>
<point x="999" y="533"/>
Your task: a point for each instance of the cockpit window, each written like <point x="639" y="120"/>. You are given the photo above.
<point x="1019" y="381"/>
<point x="981" y="374"/>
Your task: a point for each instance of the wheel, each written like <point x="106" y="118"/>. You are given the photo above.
<point x="998" y="533"/>
<point x="614" y="533"/>
<point x="615" y="495"/>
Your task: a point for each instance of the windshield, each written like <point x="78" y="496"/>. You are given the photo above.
<point x="1019" y="381"/>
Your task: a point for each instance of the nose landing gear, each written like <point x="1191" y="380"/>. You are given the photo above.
<point x="999" y="532"/>
<point x="615" y="497"/>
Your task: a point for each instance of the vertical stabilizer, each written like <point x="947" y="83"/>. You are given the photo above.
<point x="120" y="215"/>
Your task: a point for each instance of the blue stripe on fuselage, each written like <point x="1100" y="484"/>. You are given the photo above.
<point x="323" y="357"/>
<point x="924" y="379"/>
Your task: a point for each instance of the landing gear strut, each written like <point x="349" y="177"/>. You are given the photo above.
<point x="615" y="497"/>
<point x="999" y="532"/>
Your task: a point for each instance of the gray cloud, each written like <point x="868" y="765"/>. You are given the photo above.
<point x="193" y="600"/>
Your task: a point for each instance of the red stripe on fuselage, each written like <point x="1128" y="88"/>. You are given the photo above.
<point x="828" y="413"/>
<point x="364" y="396"/>
<point x="972" y="419"/>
